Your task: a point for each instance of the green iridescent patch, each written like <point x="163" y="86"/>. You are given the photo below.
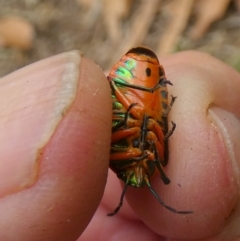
<point x="123" y="72"/>
<point x="130" y="63"/>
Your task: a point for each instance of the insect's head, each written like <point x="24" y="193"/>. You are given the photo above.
<point x="142" y="50"/>
<point x="147" y="69"/>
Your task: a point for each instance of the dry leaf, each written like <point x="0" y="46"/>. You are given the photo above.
<point x="16" y="32"/>
<point x="180" y="14"/>
<point x="86" y="3"/>
<point x="113" y="13"/>
<point x="92" y="8"/>
<point x="209" y="11"/>
<point x="141" y="23"/>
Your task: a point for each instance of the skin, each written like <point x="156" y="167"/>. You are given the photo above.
<point x="55" y="139"/>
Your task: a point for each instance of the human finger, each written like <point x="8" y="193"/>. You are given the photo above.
<point x="55" y="141"/>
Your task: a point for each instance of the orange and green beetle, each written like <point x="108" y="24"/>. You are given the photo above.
<point x="139" y="145"/>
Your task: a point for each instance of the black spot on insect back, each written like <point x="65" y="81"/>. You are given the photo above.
<point x="148" y="72"/>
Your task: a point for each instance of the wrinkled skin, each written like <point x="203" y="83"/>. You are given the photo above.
<point x="54" y="170"/>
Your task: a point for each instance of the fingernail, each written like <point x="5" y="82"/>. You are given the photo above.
<point x="33" y="101"/>
<point x="229" y="127"/>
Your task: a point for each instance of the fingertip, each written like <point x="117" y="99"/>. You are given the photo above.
<point x="80" y="148"/>
<point x="66" y="147"/>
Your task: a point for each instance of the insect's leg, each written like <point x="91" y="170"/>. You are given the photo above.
<point x="128" y="111"/>
<point x="143" y="132"/>
<point x="166" y="151"/>
<point x="166" y="132"/>
<point x="171" y="131"/>
<point x="118" y="125"/>
<point x="158" y="165"/>
<point x="127" y="156"/>
<point x="156" y="128"/>
<point x="165" y="113"/>
<point x="120" y="121"/>
<point x="162" y="144"/>
<point x="120" y="203"/>
<point x="123" y="122"/>
<point x="165" y="81"/>
<point x="121" y="134"/>
<point x="117" y="163"/>
<point x="124" y="149"/>
<point x="161" y="201"/>
<point x="130" y="122"/>
<point x="122" y="98"/>
<point x="173" y="98"/>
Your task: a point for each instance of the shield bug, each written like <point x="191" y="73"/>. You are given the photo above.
<point x="139" y="145"/>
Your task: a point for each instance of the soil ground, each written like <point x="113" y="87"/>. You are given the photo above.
<point x="62" y="25"/>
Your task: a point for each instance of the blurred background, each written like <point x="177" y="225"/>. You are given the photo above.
<point x="104" y="30"/>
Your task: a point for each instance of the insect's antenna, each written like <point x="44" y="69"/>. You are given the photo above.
<point x="161" y="201"/>
<point x="121" y="201"/>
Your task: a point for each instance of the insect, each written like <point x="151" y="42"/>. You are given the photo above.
<point x="139" y="145"/>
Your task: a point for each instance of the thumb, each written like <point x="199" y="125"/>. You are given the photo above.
<point x="204" y="152"/>
<point x="54" y="147"/>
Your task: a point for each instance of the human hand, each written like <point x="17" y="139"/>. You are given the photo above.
<point x="55" y="137"/>
<point x="56" y="128"/>
<point x="203" y="165"/>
